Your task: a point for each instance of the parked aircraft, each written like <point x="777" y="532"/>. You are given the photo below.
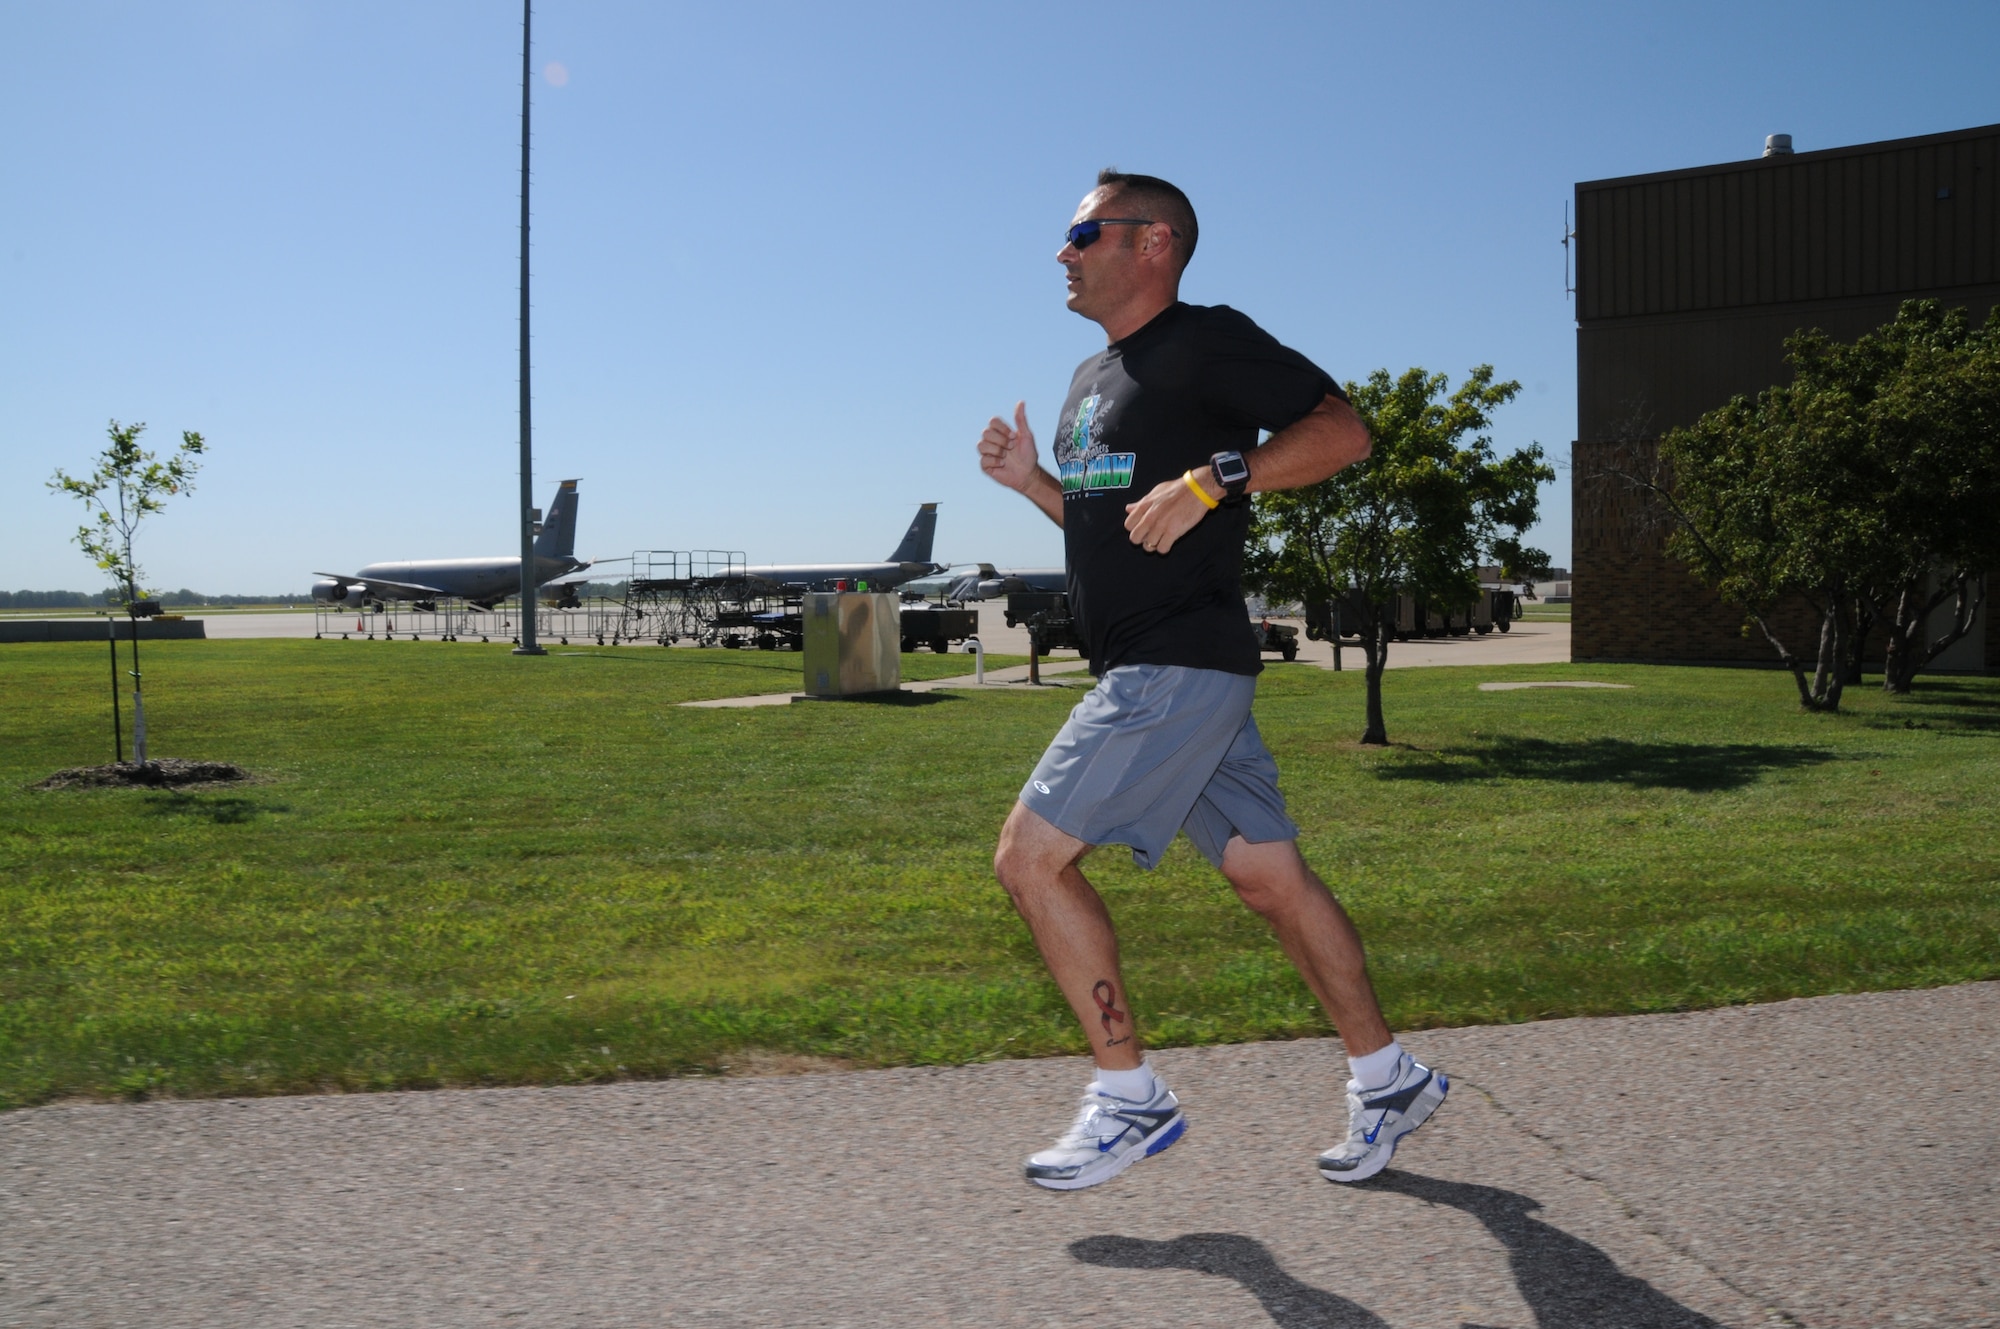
<point x="482" y="581"/>
<point x="911" y="558"/>
<point x="964" y="582"/>
<point x="985" y="582"/>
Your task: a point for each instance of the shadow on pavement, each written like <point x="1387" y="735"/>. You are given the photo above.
<point x="1691" y="766"/>
<point x="1566" y="1281"/>
<point x="1290" y="1303"/>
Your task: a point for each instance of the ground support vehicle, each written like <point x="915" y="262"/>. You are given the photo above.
<point x="1046" y="616"/>
<point x="937" y="626"/>
<point x="767" y="622"/>
<point x="1278" y="637"/>
<point x="1491" y="608"/>
<point x="1330" y="620"/>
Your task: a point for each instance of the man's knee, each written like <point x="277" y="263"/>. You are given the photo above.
<point x="1032" y="853"/>
<point x="1268" y="877"/>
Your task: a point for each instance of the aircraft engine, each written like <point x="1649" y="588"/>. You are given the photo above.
<point x="328" y="591"/>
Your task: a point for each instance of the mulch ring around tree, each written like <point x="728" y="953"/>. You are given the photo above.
<point x="167" y="772"/>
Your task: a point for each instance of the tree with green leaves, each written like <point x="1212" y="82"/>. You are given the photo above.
<point x="1432" y="502"/>
<point x="1919" y="398"/>
<point x="1867" y="487"/>
<point x="128" y="485"/>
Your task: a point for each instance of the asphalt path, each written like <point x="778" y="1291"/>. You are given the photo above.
<point x="1830" y="1162"/>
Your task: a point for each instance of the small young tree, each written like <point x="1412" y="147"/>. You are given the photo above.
<point x="1430" y="504"/>
<point x="128" y="485"/>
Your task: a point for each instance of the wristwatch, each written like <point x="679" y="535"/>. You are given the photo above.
<point x="1232" y="473"/>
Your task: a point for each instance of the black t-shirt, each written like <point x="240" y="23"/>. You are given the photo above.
<point x="1195" y="381"/>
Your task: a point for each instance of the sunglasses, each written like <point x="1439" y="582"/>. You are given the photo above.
<point x="1085" y="233"/>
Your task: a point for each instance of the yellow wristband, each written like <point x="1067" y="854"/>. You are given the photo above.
<point x="1210" y="503"/>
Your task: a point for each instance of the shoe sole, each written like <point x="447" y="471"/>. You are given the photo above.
<point x="1419" y="1113"/>
<point x="1115" y="1165"/>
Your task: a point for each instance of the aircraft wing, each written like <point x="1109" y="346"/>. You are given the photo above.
<point x="408" y="587"/>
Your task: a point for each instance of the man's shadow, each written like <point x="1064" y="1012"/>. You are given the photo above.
<point x="1290" y="1303"/>
<point x="1567" y="1282"/>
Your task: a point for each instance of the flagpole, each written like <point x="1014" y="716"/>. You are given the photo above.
<point x="530" y="583"/>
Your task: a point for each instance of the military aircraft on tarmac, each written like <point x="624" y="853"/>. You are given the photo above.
<point x="986" y="582"/>
<point x="911" y="558"/>
<point x="963" y="582"/>
<point x="482" y="581"/>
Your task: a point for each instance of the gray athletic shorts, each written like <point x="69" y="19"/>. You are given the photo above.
<point x="1155" y="749"/>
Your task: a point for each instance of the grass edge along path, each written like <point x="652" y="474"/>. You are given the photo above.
<point x="458" y="868"/>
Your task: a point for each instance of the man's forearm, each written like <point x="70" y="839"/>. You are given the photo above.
<point x="1045" y="492"/>
<point x="1325" y="442"/>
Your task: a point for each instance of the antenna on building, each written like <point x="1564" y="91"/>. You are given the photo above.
<point x="1569" y="234"/>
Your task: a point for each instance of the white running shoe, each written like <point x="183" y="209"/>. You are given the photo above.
<point x="1377" y="1119"/>
<point x="1108" y="1136"/>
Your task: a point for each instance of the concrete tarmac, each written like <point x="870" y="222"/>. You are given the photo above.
<point x="1824" y="1163"/>
<point x="1527" y="642"/>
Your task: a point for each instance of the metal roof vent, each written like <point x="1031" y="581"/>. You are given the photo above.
<point x="1777" y="145"/>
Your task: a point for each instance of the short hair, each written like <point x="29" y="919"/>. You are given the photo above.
<point x="1158" y="199"/>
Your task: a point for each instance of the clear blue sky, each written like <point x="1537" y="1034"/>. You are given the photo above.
<point x="789" y="257"/>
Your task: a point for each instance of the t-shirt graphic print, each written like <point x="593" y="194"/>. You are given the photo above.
<point x="1083" y="462"/>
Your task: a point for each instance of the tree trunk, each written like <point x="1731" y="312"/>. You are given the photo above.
<point x="1898" y="669"/>
<point x="1908" y="650"/>
<point x="1375" y="642"/>
<point x="1823" y="692"/>
<point x="1861" y="621"/>
<point x="1829" y="671"/>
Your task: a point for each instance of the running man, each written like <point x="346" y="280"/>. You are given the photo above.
<point x="1156" y="455"/>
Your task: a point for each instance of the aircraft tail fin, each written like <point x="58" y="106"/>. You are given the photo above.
<point x="916" y="546"/>
<point x="558" y="537"/>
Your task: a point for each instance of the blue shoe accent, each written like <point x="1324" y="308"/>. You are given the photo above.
<point x="1378" y="1122"/>
<point x="1109" y="1135"/>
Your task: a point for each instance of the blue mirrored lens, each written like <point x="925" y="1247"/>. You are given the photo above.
<point x="1084" y="234"/>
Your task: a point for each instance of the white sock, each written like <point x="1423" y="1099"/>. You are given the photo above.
<point x="1134" y="1086"/>
<point x="1378" y="1068"/>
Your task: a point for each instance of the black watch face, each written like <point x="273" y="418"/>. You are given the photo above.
<point x="1230" y="468"/>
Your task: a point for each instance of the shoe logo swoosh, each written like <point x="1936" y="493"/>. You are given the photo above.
<point x="1145" y="1120"/>
<point x="1397" y="1102"/>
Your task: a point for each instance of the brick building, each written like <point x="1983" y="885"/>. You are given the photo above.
<point x="1688" y="283"/>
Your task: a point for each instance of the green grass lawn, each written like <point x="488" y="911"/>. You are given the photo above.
<point x="460" y="867"/>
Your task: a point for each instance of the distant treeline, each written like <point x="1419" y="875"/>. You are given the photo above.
<point x="107" y="599"/>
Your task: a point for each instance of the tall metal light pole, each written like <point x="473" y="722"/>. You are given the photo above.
<point x="529" y="582"/>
